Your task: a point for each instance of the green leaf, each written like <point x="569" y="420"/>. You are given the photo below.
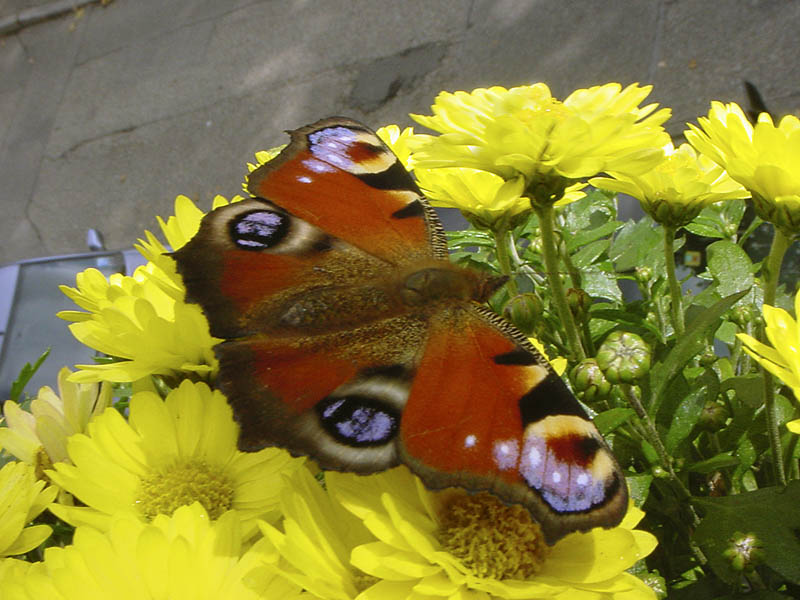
<point x="699" y="228"/>
<point x="601" y="284"/>
<point x="720" y="461"/>
<point x="633" y="242"/>
<point x="608" y="420"/>
<point x="588" y="253"/>
<point x="685" y="418"/>
<point x="770" y="513"/>
<point x="730" y="266"/>
<point x="584" y="237"/>
<point x="639" y="487"/>
<point x="25" y="375"/>
<point x="687" y="347"/>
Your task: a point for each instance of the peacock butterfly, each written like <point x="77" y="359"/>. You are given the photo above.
<point x="351" y="338"/>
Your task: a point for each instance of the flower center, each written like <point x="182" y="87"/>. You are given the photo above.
<point x="182" y="484"/>
<point x="494" y="540"/>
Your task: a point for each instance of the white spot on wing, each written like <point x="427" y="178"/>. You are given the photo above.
<point x="505" y="454"/>
<point x="470" y="441"/>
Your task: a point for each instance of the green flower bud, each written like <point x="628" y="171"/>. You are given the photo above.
<point x="659" y="472"/>
<point x="589" y="381"/>
<point x="643" y="274"/>
<point x="524" y="311"/>
<point x="624" y="357"/>
<point x="730" y="229"/>
<point x="742" y="316"/>
<point x="713" y="417"/>
<point x="707" y="357"/>
<point x="744" y="552"/>
<point x="579" y="302"/>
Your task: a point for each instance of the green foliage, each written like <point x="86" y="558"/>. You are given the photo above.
<point x="692" y="432"/>
<point x="25" y="375"/>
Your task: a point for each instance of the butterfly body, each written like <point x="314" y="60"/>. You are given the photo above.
<point x="350" y="337"/>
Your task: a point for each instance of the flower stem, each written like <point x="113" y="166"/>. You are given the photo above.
<point x="771" y="273"/>
<point x="676" y="295"/>
<point x="504" y="243"/>
<point x="546" y="215"/>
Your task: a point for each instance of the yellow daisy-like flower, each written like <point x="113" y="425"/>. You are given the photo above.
<point x="39" y="437"/>
<point x="765" y="159"/>
<point x="311" y="547"/>
<point x="782" y="359"/>
<point x="430" y="545"/>
<point x="186" y="555"/>
<point x="22" y="498"/>
<point x="133" y="319"/>
<point x="678" y="188"/>
<point x="169" y="453"/>
<point x="525" y="131"/>
<point x="143" y="320"/>
<point x="400" y="142"/>
<point x="484" y="198"/>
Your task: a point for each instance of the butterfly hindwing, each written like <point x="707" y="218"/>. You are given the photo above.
<point x="486" y="412"/>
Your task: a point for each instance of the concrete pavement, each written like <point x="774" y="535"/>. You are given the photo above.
<point x="108" y="113"/>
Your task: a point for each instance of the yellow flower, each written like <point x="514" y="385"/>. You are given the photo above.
<point x="485" y="199"/>
<point x="39" y="437"/>
<point x="764" y="158"/>
<point x="675" y="190"/>
<point x="399" y="142"/>
<point x="782" y="359"/>
<point x="559" y="363"/>
<point x="22" y="498"/>
<point x="312" y="545"/>
<point x="143" y="320"/>
<point x="525" y="131"/>
<point x="186" y="555"/>
<point x="168" y="454"/>
<point x="425" y="544"/>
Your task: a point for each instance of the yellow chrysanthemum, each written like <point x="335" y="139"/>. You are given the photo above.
<point x="186" y="555"/>
<point x="675" y="190"/>
<point x="764" y="158"/>
<point x="400" y="142"/>
<point x="39" y="437"/>
<point x="312" y="545"/>
<point x="484" y="198"/>
<point x="168" y="454"/>
<point x="22" y="498"/>
<point x="782" y="359"/>
<point x="143" y="320"/>
<point x="428" y="545"/>
<point x="525" y="131"/>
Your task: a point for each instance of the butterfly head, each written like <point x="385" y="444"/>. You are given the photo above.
<point x="445" y="281"/>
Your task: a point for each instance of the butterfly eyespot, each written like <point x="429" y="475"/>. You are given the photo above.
<point x="358" y="420"/>
<point x="259" y="229"/>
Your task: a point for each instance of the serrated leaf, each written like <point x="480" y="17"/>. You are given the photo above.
<point x="769" y="513"/>
<point x="25" y="374"/>
<point x="730" y="266"/>
<point x="601" y="284"/>
<point x="608" y="420"/>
